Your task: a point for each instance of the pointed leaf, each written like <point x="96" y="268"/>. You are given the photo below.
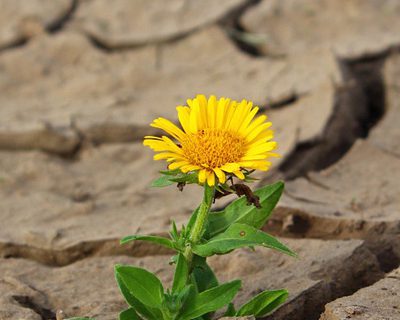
<point x="147" y="312"/>
<point x="142" y="284"/>
<point x="162" y="181"/>
<point x="263" y="303"/>
<point x="240" y="212"/>
<point x="238" y="236"/>
<point x="129" y="314"/>
<point x="174" y="231"/>
<point x="202" y="275"/>
<point x="210" y="300"/>
<point x="185" y="177"/>
<point x="170" y="172"/>
<point x="181" y="274"/>
<point x="192" y="219"/>
<point x="165" y="242"/>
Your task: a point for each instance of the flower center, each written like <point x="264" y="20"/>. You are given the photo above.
<point x="212" y="148"/>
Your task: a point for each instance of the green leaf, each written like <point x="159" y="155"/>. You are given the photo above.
<point x="202" y="275"/>
<point x="237" y="236"/>
<point x="210" y="300"/>
<point x="185" y="177"/>
<point x="162" y="181"/>
<point x="129" y="314"/>
<point x="174" y="176"/>
<point x="192" y="220"/>
<point x="174" y="232"/>
<point x="165" y="242"/>
<point x="142" y="284"/>
<point x="79" y="318"/>
<point x="230" y="311"/>
<point x="170" y="172"/>
<point x="240" y="212"/>
<point x="263" y="303"/>
<point x="147" y="312"/>
<point x="181" y="274"/>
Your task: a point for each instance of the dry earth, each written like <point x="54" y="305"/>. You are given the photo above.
<point x="80" y="80"/>
<point x="377" y="302"/>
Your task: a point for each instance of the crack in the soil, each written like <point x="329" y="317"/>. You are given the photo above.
<point x="359" y="105"/>
<point x="56" y="26"/>
<point x="387" y="250"/>
<point x="29" y="303"/>
<point x="283" y="103"/>
<point x="102" y="45"/>
<point x="360" y="270"/>
<point x="59" y="24"/>
<point x="356" y="278"/>
<point x="244" y="40"/>
<point x="80" y="251"/>
<point x="14" y="44"/>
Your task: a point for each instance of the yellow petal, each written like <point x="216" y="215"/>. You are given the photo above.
<point x="157" y="145"/>
<point x="168" y="127"/>
<point x="211" y="111"/>
<point x="220" y="114"/>
<point x="202" y="101"/>
<point x="231" y="108"/>
<point x="254" y="157"/>
<point x="261" y="138"/>
<point x="257" y="164"/>
<point x="167" y="155"/>
<point x="247" y="120"/>
<point x="194" y="116"/>
<point x="176" y="165"/>
<point x="238" y="116"/>
<point x="230" y="167"/>
<point x="262" y="148"/>
<point x="202" y="175"/>
<point x="253" y="134"/>
<point x="189" y="167"/>
<point x="259" y="120"/>
<point x="273" y="154"/>
<point x="152" y="137"/>
<point x="210" y="178"/>
<point x="220" y="174"/>
<point x="172" y="145"/>
<point x="239" y="174"/>
<point x="184" y="117"/>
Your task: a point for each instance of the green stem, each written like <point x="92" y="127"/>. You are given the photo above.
<point x="199" y="224"/>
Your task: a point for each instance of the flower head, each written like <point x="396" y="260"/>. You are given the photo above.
<point x="218" y="138"/>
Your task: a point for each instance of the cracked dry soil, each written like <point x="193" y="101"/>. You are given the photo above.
<point x="80" y="80"/>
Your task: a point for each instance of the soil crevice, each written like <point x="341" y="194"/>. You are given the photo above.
<point x="359" y="105"/>
<point x="28" y="302"/>
<point x="246" y="41"/>
<point x="80" y="251"/>
<point x="55" y="26"/>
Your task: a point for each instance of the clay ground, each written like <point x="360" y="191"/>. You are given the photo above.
<point x="80" y="80"/>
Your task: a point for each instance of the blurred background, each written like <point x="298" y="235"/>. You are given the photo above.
<point x="80" y="81"/>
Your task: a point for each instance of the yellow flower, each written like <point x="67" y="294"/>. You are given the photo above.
<point x="218" y="138"/>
